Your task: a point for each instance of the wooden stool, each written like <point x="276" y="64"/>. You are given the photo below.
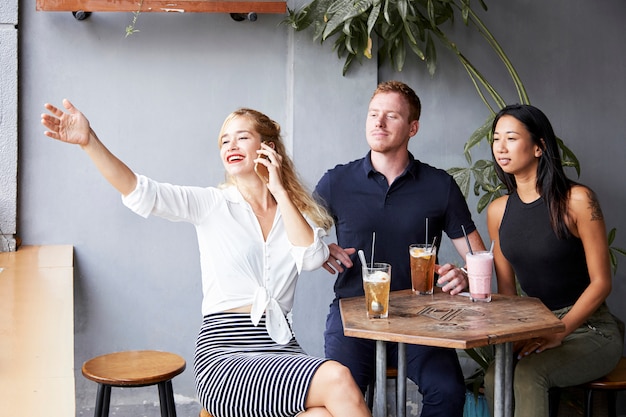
<point x="611" y="383"/>
<point x="131" y="369"/>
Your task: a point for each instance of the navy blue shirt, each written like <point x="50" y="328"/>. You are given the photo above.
<point x="361" y="202"/>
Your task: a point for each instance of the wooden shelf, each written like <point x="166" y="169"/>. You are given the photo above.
<point x="180" y="6"/>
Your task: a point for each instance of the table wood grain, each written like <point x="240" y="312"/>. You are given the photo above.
<point x="37" y="332"/>
<point x="451" y="321"/>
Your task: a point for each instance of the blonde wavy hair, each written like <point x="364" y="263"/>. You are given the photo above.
<point x="269" y="130"/>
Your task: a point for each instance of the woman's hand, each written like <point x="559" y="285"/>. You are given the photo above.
<point x="538" y="345"/>
<point x="269" y="158"/>
<point x="72" y="127"/>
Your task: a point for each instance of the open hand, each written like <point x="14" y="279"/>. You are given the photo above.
<point x="71" y="127"/>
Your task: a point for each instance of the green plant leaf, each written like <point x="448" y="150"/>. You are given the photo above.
<point x="484" y="201"/>
<point x="569" y="159"/>
<point x="386" y="12"/>
<point x="402" y="6"/>
<point x="347" y="64"/>
<point x="463" y="177"/>
<point x="431" y="12"/>
<point x="373" y="17"/>
<point x="613" y="260"/>
<point x="399" y="56"/>
<point x="483" y="356"/>
<point x="479" y="134"/>
<point x="431" y="55"/>
<point x="342" y="11"/>
<point x="619" y="250"/>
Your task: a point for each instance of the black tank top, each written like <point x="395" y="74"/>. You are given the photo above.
<point x="551" y="269"/>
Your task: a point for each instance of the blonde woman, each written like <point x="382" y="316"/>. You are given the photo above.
<point x="256" y="233"/>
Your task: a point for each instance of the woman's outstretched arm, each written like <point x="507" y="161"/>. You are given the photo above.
<point x="73" y="127"/>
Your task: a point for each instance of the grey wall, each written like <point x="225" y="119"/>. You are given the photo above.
<point x="157" y="99"/>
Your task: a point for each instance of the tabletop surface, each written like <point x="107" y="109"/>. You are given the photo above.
<point x="451" y="321"/>
<point x="37" y="332"/>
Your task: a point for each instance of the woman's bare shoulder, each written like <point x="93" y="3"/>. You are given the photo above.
<point x="498" y="205"/>
<point x="495" y="213"/>
<point x="582" y="199"/>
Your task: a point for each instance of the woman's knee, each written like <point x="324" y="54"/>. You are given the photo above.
<point x="334" y="373"/>
<point x="332" y="382"/>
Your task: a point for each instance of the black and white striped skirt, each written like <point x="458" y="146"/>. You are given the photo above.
<point x="241" y="372"/>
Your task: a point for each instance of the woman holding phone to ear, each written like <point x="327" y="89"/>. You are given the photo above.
<point x="256" y="233"/>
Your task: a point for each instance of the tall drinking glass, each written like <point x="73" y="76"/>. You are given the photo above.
<point x="376" y="284"/>
<point x="422" y="268"/>
<point x="479" y="272"/>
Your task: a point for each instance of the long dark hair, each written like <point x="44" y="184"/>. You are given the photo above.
<point x="552" y="183"/>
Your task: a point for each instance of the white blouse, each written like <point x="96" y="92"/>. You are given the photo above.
<point x="238" y="266"/>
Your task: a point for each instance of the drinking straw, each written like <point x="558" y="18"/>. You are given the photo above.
<point x="373" y="242"/>
<point x="362" y="257"/>
<point x="432" y="247"/>
<point x="491" y="248"/>
<point x="467" y="240"/>
<point x="426" y="240"/>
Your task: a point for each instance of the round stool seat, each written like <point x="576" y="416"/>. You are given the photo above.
<point x="611" y="383"/>
<point x="614" y="380"/>
<point x="133" y="368"/>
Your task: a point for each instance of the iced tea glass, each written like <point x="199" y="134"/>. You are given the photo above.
<point x="479" y="272"/>
<point x="422" y="268"/>
<point x="376" y="284"/>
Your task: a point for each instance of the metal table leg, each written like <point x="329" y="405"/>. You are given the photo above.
<point x="380" y="392"/>
<point x="503" y="394"/>
<point x="401" y="382"/>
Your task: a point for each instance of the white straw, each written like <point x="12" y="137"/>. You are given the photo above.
<point x="362" y="258"/>
<point x="373" y="242"/>
<point x="491" y="248"/>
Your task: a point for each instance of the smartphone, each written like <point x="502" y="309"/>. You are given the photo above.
<point x="261" y="170"/>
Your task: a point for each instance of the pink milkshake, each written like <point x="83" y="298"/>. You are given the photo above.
<point x="479" y="272"/>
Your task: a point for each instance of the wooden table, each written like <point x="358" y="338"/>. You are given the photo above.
<point x="37" y="332"/>
<point x="451" y="322"/>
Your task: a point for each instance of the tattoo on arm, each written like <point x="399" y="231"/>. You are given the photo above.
<point x="594" y="205"/>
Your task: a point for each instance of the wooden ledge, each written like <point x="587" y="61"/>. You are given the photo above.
<point x="180" y="6"/>
<point x="37" y="332"/>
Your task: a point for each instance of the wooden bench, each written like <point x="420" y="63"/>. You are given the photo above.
<point x="37" y="332"/>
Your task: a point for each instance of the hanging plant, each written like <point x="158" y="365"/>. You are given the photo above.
<point x="414" y="28"/>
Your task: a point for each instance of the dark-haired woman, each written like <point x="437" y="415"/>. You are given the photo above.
<point x="549" y="233"/>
